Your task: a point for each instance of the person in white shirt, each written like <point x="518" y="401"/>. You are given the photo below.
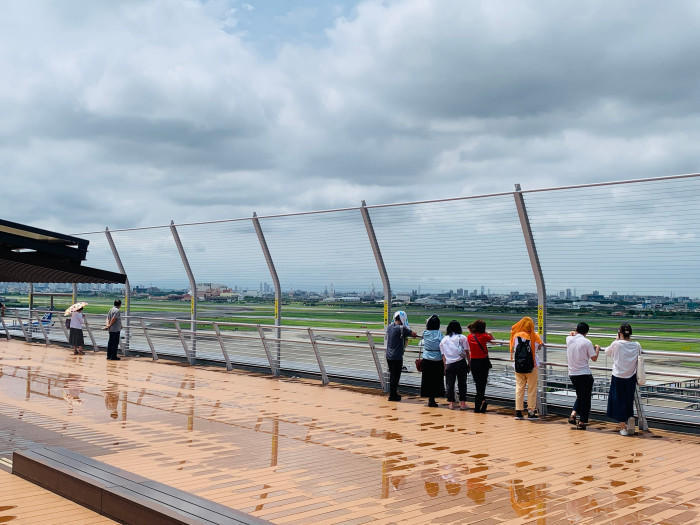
<point x="76" y="331"/>
<point x="578" y="351"/>
<point x="455" y="354"/>
<point x="623" y="383"/>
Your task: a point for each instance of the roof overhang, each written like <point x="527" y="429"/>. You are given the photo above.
<point x="33" y="255"/>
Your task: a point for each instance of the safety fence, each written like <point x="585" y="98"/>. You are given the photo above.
<point x="670" y="396"/>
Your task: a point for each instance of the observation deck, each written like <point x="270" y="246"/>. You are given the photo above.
<point x="290" y="451"/>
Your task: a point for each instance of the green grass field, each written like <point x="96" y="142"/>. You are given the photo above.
<point x="370" y="317"/>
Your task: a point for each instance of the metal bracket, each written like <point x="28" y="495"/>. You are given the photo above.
<point x="229" y="367"/>
<point x="377" y="362"/>
<point x="65" y="330"/>
<point x="95" y="348"/>
<point x="182" y="340"/>
<point x="28" y="337"/>
<point x="4" y="327"/>
<point x="321" y="366"/>
<point x="41" y="326"/>
<point x="640" y="410"/>
<point x="148" y="340"/>
<point x="273" y="368"/>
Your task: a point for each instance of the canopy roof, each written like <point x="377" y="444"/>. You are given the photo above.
<point x="33" y="255"/>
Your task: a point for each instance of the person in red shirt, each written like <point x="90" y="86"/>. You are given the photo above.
<point x="478" y="339"/>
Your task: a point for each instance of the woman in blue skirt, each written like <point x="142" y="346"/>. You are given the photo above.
<point x="623" y="384"/>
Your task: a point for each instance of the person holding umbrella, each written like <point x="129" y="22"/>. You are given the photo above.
<point x="77" y="320"/>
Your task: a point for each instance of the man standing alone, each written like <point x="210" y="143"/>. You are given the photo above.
<point x="114" y="325"/>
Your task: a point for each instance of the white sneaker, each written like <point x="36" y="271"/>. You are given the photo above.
<point x="624" y="432"/>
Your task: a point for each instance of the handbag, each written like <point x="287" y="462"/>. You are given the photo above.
<point x="419" y="361"/>
<point x="641" y="372"/>
<point x="488" y="359"/>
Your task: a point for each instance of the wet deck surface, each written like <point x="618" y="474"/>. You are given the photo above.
<point x="292" y="451"/>
<point x="24" y="502"/>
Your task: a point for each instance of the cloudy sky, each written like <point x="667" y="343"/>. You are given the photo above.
<point x="135" y="112"/>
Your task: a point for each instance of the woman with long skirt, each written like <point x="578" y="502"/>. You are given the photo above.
<point x="623" y="383"/>
<point x="432" y="381"/>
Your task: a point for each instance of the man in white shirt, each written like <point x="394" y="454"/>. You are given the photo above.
<point x="579" y="350"/>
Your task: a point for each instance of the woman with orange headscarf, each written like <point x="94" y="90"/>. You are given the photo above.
<point x="524" y="342"/>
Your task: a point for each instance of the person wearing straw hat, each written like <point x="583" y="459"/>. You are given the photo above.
<point x="77" y="321"/>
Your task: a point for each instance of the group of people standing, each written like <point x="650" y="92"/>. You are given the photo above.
<point x="446" y="360"/>
<point x="113" y="324"/>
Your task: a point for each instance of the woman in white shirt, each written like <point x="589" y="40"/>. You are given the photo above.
<point x="76" y="331"/>
<point x="623" y="384"/>
<point x="455" y="354"/>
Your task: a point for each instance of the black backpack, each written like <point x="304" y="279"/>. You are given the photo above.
<point x="523" y="357"/>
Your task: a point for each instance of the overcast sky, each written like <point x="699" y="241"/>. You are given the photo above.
<point x="135" y="112"/>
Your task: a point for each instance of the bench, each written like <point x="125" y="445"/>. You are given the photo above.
<point x="119" y="494"/>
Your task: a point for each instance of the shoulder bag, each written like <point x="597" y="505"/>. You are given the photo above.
<point x="488" y="359"/>
<point x="641" y="372"/>
<point x="419" y="361"/>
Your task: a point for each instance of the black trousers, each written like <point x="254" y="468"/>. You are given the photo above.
<point x="456" y="371"/>
<point x="395" y="366"/>
<point x="480" y="373"/>
<point x="113" y="345"/>
<point x="584" y="388"/>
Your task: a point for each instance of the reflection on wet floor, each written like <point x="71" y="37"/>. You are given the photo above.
<point x="291" y="451"/>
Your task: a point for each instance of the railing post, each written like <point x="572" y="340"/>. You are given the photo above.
<point x="379" y="259"/>
<point x="92" y="337"/>
<point x="75" y="293"/>
<point x="182" y="340"/>
<point x="127" y="291"/>
<point x="274" y="368"/>
<point x="41" y="327"/>
<point x="321" y="366"/>
<point x="27" y="336"/>
<point x="541" y="292"/>
<point x="193" y="301"/>
<point x="4" y="327"/>
<point x="275" y="283"/>
<point x="377" y="362"/>
<point x="65" y="330"/>
<point x="148" y="340"/>
<point x="223" y="347"/>
<point x="642" y="419"/>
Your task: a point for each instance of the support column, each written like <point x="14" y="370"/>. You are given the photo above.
<point x="193" y="302"/>
<point x="380" y="261"/>
<point x="127" y="291"/>
<point x="541" y="292"/>
<point x="275" y="282"/>
<point x="75" y="293"/>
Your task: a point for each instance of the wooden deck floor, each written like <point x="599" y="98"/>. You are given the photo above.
<point x="24" y="502"/>
<point x="292" y="451"/>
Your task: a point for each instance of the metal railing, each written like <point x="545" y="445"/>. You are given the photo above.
<point x="341" y="354"/>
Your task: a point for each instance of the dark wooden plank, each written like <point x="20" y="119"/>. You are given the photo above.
<point x="119" y="494"/>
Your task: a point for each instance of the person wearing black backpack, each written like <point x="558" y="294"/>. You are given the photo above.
<point x="524" y="343"/>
